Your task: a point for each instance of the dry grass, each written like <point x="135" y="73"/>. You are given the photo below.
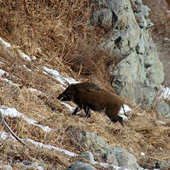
<point x="57" y="33"/>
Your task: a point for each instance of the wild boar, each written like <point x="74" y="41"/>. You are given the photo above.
<point x="89" y="96"/>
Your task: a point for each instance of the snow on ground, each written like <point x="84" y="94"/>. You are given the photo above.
<point x="57" y="76"/>
<point x="35" y="90"/>
<point x="52" y="147"/>
<point x="27" y="68"/>
<point x="167" y="39"/>
<point x="5" y="43"/>
<point x="165" y="93"/>
<point x="2" y="72"/>
<point x="4" y="79"/>
<point x="70" y="108"/>
<point x="127" y="109"/>
<point x="4" y="135"/>
<point x="23" y="55"/>
<point x="12" y="112"/>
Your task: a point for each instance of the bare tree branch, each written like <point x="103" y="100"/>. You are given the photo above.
<point x="10" y="130"/>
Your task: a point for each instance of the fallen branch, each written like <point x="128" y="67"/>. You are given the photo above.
<point x="10" y="130"/>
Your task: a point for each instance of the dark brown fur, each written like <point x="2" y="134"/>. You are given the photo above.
<point x="89" y="96"/>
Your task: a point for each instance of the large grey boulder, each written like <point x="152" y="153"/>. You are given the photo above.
<point x="125" y="159"/>
<point x="139" y="72"/>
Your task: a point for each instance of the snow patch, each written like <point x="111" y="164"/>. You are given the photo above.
<point x="3" y="135"/>
<point x="57" y="76"/>
<point x="27" y="68"/>
<point x="4" y="79"/>
<point x="23" y="55"/>
<point x="12" y="112"/>
<point x="142" y="154"/>
<point x="35" y="90"/>
<point x="2" y="72"/>
<point x="167" y="39"/>
<point x="52" y="147"/>
<point x="68" y="106"/>
<point x="165" y="93"/>
<point x="34" y="58"/>
<point x="161" y="122"/>
<point x="127" y="109"/>
<point x="5" y="43"/>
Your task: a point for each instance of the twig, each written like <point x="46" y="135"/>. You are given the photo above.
<point x="10" y="130"/>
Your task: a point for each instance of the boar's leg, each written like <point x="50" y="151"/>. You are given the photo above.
<point x="87" y="111"/>
<point x="118" y="118"/>
<point x="121" y="120"/>
<point x="76" y="110"/>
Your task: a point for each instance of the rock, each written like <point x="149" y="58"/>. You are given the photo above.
<point x="125" y="159"/>
<point x="126" y="32"/>
<point x="139" y="72"/>
<point x="88" y="155"/>
<point x="140" y="48"/>
<point x="164" y="109"/>
<point x="96" y="143"/>
<point x="116" y="156"/>
<point x="103" y="18"/>
<point x="80" y="166"/>
<point x="34" y="165"/>
<point x="162" y="165"/>
<point x="5" y="167"/>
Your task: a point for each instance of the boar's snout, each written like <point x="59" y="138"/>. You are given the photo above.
<point x="60" y="97"/>
<point x="63" y="97"/>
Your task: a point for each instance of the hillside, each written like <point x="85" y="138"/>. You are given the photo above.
<point x="41" y="51"/>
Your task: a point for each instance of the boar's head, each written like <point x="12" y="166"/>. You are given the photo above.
<point x="68" y="94"/>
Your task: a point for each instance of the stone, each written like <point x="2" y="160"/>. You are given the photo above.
<point x="5" y="167"/>
<point x="162" y="165"/>
<point x="89" y="156"/>
<point x="140" y="48"/>
<point x="34" y="165"/>
<point x="126" y="32"/>
<point x="96" y="143"/>
<point x="163" y="108"/>
<point x="105" y="19"/>
<point x="80" y="166"/>
<point x="125" y="159"/>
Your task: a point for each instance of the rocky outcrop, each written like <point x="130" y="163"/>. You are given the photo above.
<point x="116" y="156"/>
<point x="139" y="71"/>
